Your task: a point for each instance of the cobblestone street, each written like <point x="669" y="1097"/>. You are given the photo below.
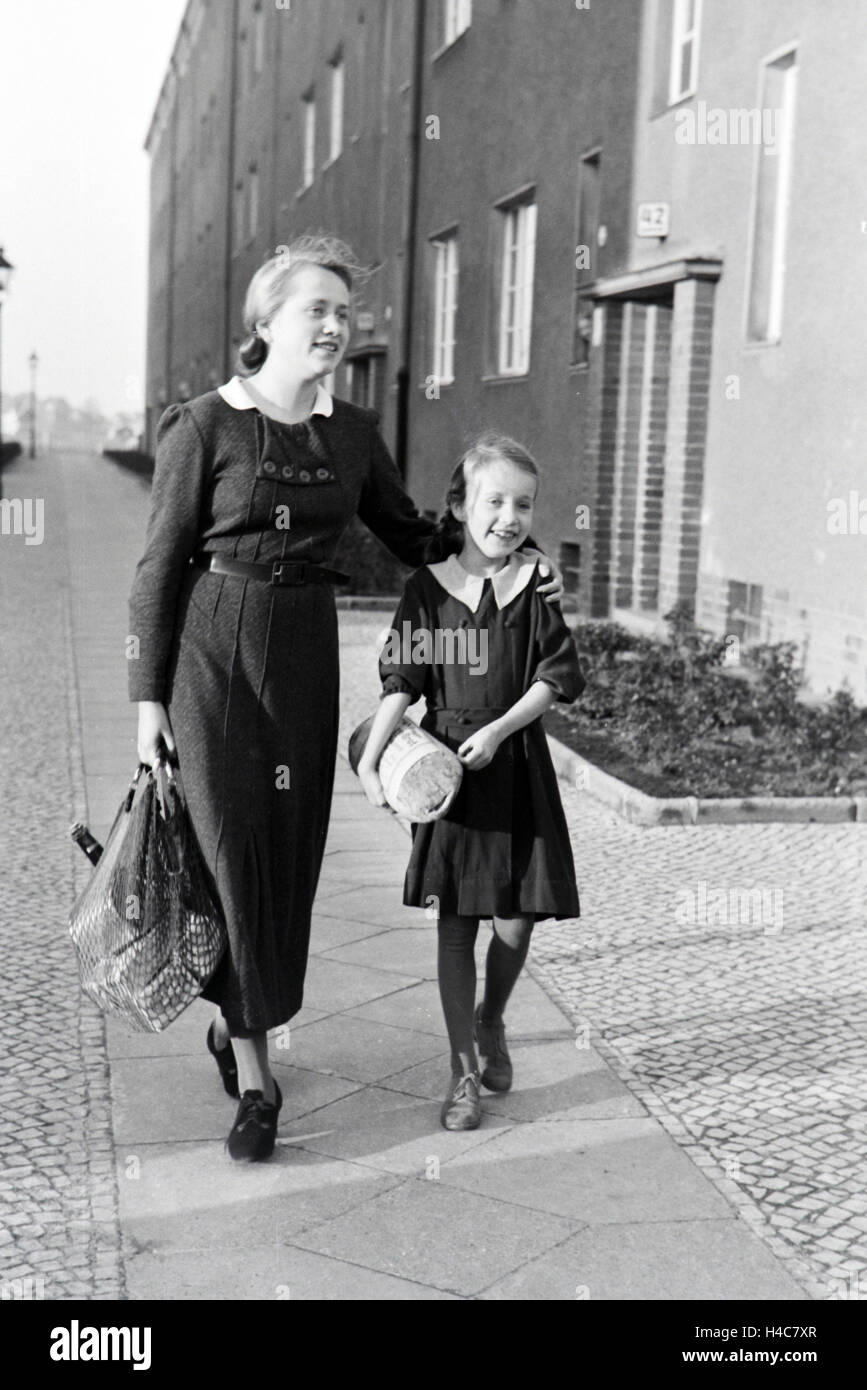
<point x="58" y="1217"/>
<point x="745" y="1034"/>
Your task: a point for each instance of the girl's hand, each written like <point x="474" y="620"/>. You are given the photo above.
<point x="479" y="749"/>
<point x="369" y="779"/>
<point x="154" y="732"/>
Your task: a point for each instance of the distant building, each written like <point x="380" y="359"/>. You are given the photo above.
<point x="625" y="233"/>
<point x="273" y="122"/>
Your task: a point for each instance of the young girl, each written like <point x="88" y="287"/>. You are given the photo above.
<point x="502" y="850"/>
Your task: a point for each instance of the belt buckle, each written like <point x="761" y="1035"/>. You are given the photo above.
<point x="282" y="569"/>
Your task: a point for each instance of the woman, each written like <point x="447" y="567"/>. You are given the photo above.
<point x="237" y="665"/>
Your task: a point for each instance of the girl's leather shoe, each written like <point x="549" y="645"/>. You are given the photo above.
<point x="251" y="1138"/>
<point x="495" y="1063"/>
<point x="462" y="1108"/>
<point x="225" y="1059"/>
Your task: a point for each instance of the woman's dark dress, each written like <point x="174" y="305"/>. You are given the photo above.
<point x="502" y="849"/>
<point x="249" y="672"/>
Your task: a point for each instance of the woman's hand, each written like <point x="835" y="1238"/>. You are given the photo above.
<point x="369" y="779"/>
<point x="554" y="590"/>
<point x="154" y="732"/>
<point x="479" y="749"/>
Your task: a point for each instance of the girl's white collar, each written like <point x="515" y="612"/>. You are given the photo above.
<point x="233" y="394"/>
<point x="507" y="583"/>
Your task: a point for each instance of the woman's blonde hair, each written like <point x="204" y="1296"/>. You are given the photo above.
<point x="270" y="285"/>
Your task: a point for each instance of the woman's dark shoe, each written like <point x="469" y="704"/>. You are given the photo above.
<point x="495" y="1064"/>
<point x="462" y="1108"/>
<point x="251" y="1138"/>
<point x="225" y="1059"/>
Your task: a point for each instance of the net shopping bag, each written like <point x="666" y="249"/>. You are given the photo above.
<point x="147" y="929"/>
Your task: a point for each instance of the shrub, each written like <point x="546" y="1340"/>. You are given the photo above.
<point x="372" y="568"/>
<point x="9" y="450"/>
<point x="677" y="706"/>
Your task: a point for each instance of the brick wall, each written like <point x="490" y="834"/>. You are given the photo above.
<point x="600" y="459"/>
<point x="691" y="333"/>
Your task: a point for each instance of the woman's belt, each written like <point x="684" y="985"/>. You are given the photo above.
<point x="281" y="573"/>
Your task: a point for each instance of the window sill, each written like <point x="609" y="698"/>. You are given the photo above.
<point x="504" y="378"/>
<point x="441" y="385"/>
<point x="751" y="345"/>
<point x="447" y="47"/>
<point x="663" y="108"/>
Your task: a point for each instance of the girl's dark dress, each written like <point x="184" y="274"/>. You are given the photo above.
<point x="502" y="849"/>
<point x="249" y="672"/>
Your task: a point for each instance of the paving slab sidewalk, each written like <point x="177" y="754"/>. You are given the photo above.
<point x="570" y="1189"/>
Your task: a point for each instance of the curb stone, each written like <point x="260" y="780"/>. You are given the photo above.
<point x="640" y="808"/>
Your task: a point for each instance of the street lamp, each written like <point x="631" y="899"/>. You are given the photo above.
<point x="34" y="363"/>
<point x="5" y="276"/>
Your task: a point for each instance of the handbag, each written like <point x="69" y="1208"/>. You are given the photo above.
<point x="148" y="928"/>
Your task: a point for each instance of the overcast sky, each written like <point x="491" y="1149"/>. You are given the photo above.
<point x="78" y="84"/>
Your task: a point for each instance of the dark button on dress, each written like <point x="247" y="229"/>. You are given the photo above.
<point x="249" y="672"/>
<point x="503" y="847"/>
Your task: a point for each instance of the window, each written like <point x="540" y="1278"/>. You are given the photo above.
<point x="767" y="256"/>
<point x="336" y="135"/>
<point x="516" y="289"/>
<point x="744" y="615"/>
<point x="570" y="564"/>
<point x="586" y="245"/>
<point x="365" y="380"/>
<point x="253" y="202"/>
<point x="258" y="38"/>
<point x="457" y="18"/>
<point x="309" y="105"/>
<point x="588" y="216"/>
<point x="683" y="72"/>
<point x="361" y="82"/>
<point x="445" y="306"/>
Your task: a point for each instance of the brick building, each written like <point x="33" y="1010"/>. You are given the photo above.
<point x="729" y="413"/>
<point x="623" y="232"/>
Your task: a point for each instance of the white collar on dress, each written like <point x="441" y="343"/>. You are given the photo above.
<point x="235" y="395"/>
<point x="507" y="583"/>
